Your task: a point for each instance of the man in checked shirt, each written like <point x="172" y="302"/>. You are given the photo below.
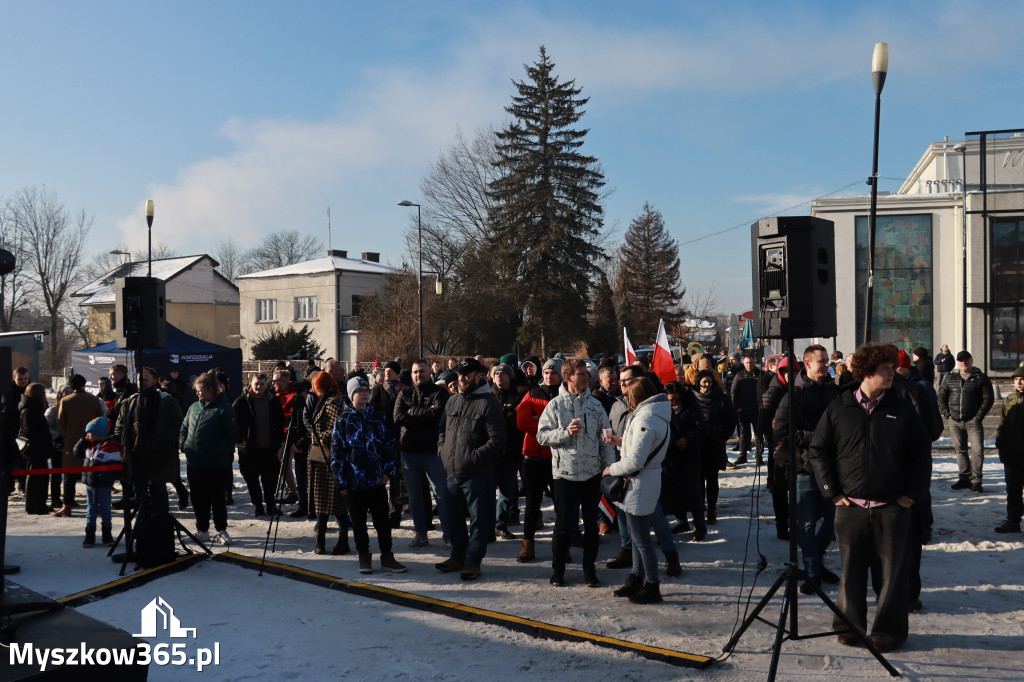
<point x="870" y="458"/>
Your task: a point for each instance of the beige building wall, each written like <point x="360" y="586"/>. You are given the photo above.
<point x="213" y="322"/>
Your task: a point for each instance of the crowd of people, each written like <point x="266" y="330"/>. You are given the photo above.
<point x="481" y="446"/>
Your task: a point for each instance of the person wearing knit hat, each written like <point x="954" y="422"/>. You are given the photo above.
<point x="354" y="384"/>
<point x="1010" y="444"/>
<point x="904" y="359"/>
<point x="509" y="359"/>
<point x="532" y="369"/>
<point x="98" y="448"/>
<point x="923" y="361"/>
<point x="364" y="459"/>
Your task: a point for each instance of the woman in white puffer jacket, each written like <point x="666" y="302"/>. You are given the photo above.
<point x="642" y="449"/>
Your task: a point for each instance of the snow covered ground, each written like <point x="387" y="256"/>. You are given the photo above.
<point x="972" y="625"/>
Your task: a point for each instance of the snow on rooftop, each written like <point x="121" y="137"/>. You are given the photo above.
<point x="103" y="290"/>
<point x="325" y="264"/>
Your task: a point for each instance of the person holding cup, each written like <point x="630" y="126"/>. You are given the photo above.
<point x="572" y="425"/>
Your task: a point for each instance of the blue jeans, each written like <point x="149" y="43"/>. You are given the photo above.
<point x="645" y="563"/>
<point x="98" y="499"/>
<point x="810" y="508"/>
<point x="507" y="474"/>
<point x="659" y="524"/>
<point x="476" y="496"/>
<point x="416" y="465"/>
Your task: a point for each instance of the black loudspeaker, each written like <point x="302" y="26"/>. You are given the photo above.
<point x="794" y="277"/>
<point x="141" y="313"/>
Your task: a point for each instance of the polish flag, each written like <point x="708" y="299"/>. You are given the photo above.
<point x="630" y="353"/>
<point x="607" y="507"/>
<point x="662" y="364"/>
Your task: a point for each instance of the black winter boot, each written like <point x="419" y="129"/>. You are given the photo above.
<point x="341" y="547"/>
<point x="673" y="569"/>
<point x="650" y="593"/>
<point x="108" y="537"/>
<point x="321" y="539"/>
<point x="632" y="586"/>
<point x="90" y="537"/>
<point x="624" y="559"/>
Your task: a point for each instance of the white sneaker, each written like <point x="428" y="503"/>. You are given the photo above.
<point x="222" y="538"/>
<point x="202" y="536"/>
<point x="419" y="541"/>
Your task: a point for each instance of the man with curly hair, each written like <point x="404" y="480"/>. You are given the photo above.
<point x="871" y="459"/>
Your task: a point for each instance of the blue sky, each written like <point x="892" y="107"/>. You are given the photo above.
<point x="243" y="118"/>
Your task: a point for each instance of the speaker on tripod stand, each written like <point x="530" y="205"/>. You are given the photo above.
<point x="794" y="296"/>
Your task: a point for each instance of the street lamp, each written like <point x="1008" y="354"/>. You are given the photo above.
<point x="419" y="269"/>
<point x="149" y="223"/>
<point x="879" y="69"/>
<point x="962" y="148"/>
<point x="119" y="252"/>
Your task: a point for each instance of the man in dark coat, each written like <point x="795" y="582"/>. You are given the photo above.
<point x="964" y="399"/>
<point x="745" y="399"/>
<point x="508" y="464"/>
<point x="870" y="458"/>
<point x="471" y="437"/>
<point x="382" y="398"/>
<point x="418" y="409"/>
<point x="1010" y="443"/>
<point x="944" y="364"/>
<point x="813" y="391"/>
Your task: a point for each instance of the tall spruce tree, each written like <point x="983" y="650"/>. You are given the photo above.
<point x="546" y="217"/>
<point x="649" y="274"/>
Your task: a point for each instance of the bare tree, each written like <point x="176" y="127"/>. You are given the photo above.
<point x="234" y="260"/>
<point x="286" y="247"/>
<point x="13" y="291"/>
<point x="53" y="245"/>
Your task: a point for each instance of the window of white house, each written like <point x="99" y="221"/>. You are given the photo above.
<point x="266" y="309"/>
<point x="305" y="307"/>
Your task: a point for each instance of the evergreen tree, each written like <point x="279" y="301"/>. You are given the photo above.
<point x="605" y="333"/>
<point x="649" y="275"/>
<point x="546" y="217"/>
<point x="287" y="344"/>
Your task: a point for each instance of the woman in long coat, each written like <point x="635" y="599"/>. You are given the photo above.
<point x="34" y="429"/>
<point x="324" y="493"/>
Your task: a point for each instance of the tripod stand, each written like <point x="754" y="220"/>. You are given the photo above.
<point x="132" y="514"/>
<point x="275" y="515"/>
<point x="792" y="574"/>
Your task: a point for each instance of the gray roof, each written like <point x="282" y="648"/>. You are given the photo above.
<point x="103" y="290"/>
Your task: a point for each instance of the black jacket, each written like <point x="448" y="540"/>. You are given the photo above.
<point x="509" y="401"/>
<point x="744" y="392"/>
<point x="35" y="430"/>
<point x="921" y="395"/>
<point x="244" y="414"/>
<point x="965" y="399"/>
<point x="472" y="433"/>
<point x="944" y="362"/>
<point x="879" y="456"/>
<point x="417" y="411"/>
<point x="810" y="400"/>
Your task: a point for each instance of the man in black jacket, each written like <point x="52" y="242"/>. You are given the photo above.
<point x="943" y="364"/>
<point x="471" y="437"/>
<point x="870" y="457"/>
<point x="418" y="409"/>
<point x="813" y="391"/>
<point x="964" y="399"/>
<point x="745" y="399"/>
<point x="511" y="459"/>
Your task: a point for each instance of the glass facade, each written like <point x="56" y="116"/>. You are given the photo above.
<point x="903" y="292"/>
<point x="1007" y="277"/>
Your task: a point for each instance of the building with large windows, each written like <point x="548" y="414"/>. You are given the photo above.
<point x="949" y="254"/>
<point x="324" y="294"/>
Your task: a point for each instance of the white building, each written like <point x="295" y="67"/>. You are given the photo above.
<point x="323" y="294"/>
<point x="942" y="275"/>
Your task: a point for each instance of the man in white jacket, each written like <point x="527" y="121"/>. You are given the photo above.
<point x="571" y="425"/>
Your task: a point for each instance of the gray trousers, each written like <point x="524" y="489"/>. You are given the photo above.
<point x="973" y="433"/>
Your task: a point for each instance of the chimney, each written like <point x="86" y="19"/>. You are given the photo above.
<point x="371" y="256"/>
<point x="337" y="252"/>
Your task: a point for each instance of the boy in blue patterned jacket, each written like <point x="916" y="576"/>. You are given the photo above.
<point x="363" y="461"/>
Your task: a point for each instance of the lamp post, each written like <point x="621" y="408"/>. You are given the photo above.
<point x="419" y="268"/>
<point x="149" y="223"/>
<point x="962" y="148"/>
<point x="119" y="252"/>
<point x="879" y="69"/>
